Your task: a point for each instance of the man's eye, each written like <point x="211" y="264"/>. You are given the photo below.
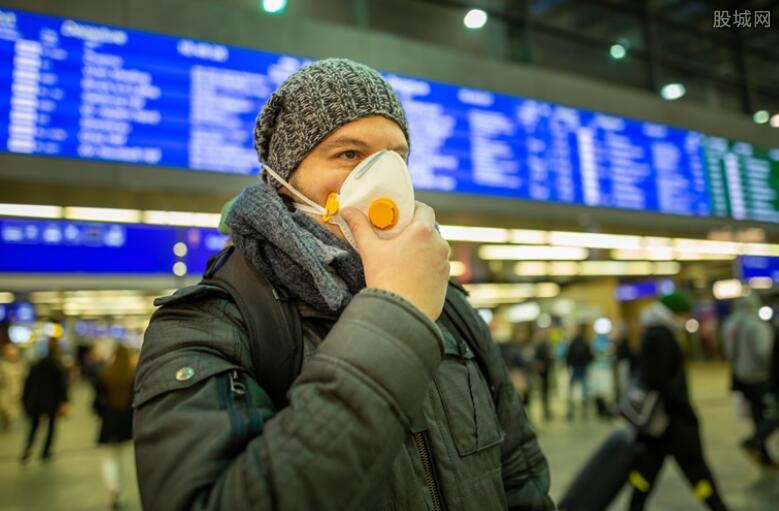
<point x="349" y="155"/>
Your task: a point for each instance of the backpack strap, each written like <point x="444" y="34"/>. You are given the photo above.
<point x="467" y="323"/>
<point x="272" y="321"/>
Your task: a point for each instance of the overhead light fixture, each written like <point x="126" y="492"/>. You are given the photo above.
<point x="643" y="254"/>
<point x="765" y="313"/>
<point x="474" y="234"/>
<point x="6" y="297"/>
<point x="507" y="293"/>
<point x="181" y="218"/>
<point x="180" y="269"/>
<point x="563" y="269"/>
<point x="30" y="211"/>
<point x="692" y="325"/>
<point x="594" y="240"/>
<point x="667" y="268"/>
<point x="727" y="289"/>
<point x="531" y="269"/>
<point x="475" y="19"/>
<point x="456" y="268"/>
<point x="761" y="116"/>
<point x="774" y="121"/>
<point x="617" y="51"/>
<point x="128" y="216"/>
<point x="761" y="283"/>
<point x="602" y="326"/>
<point x="615" y="268"/>
<point x="672" y="91"/>
<point x="530" y="237"/>
<point x="274" y="6"/>
<point x="523" y="312"/>
<point x="532" y="253"/>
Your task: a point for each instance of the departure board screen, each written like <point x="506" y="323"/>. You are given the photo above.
<point x="82" y="90"/>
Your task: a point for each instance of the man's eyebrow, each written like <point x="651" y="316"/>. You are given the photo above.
<point x="357" y="143"/>
<point x="345" y="141"/>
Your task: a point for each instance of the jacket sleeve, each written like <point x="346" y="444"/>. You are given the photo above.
<point x="208" y="447"/>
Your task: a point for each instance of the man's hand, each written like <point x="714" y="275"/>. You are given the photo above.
<point x="414" y="264"/>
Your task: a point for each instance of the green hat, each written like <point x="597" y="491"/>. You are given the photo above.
<point x="677" y="302"/>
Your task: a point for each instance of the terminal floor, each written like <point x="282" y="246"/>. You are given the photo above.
<point x="71" y="480"/>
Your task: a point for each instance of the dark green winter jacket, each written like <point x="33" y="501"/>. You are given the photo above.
<point x="390" y="412"/>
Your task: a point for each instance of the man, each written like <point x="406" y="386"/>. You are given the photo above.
<point x="391" y="410"/>
<point x="661" y="369"/>
<point x="747" y="345"/>
<point x="45" y="395"/>
<point x="578" y="358"/>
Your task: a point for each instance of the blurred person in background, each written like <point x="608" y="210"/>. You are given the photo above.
<point x="578" y="358"/>
<point x="544" y="360"/>
<point x="45" y="395"/>
<point x="115" y="391"/>
<point x="387" y="408"/>
<point x="747" y="345"/>
<point x="12" y="372"/>
<point x="601" y="375"/>
<point x="755" y="445"/>
<point x="515" y="355"/>
<point x="661" y="369"/>
<point x="626" y="360"/>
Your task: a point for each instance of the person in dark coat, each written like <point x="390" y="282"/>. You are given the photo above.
<point x="578" y="357"/>
<point x="755" y="445"/>
<point x="45" y="395"/>
<point x="543" y="362"/>
<point x="661" y="369"/>
<point x="115" y="391"/>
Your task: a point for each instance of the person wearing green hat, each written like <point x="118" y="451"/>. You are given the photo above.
<point x="661" y="369"/>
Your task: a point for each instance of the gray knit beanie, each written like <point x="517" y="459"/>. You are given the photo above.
<point x="312" y="103"/>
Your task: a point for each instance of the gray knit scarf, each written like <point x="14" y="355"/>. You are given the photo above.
<point x="294" y="251"/>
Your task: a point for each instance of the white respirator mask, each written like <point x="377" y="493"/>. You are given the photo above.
<point x="380" y="186"/>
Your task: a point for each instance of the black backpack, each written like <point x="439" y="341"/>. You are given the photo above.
<point x="275" y="331"/>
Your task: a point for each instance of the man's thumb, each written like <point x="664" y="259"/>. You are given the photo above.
<point x="358" y="223"/>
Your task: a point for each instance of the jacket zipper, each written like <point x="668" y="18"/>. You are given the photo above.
<point x="236" y="386"/>
<point x="427" y="465"/>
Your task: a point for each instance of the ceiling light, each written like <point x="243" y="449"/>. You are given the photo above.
<point x="602" y="326"/>
<point x="667" y="268"/>
<point x="474" y="234"/>
<point x="604" y="268"/>
<point x="475" y="19"/>
<point x="761" y="283"/>
<point x="524" y="236"/>
<point x="672" y="91"/>
<point x="594" y="240"/>
<point x="765" y="313"/>
<point x="456" y="268"/>
<point x="531" y="269"/>
<point x="30" y="211"/>
<point x="617" y="51"/>
<point x="130" y="216"/>
<point x="692" y="325"/>
<point x="563" y="269"/>
<point x="774" y="121"/>
<point x="761" y="116"/>
<point x="181" y="218"/>
<point x="523" y="312"/>
<point x="532" y="253"/>
<point x="274" y="6"/>
<point x="6" y="297"/>
<point x="727" y="289"/>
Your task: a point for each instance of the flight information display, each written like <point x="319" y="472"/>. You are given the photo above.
<point x="82" y="90"/>
<point x="73" y="247"/>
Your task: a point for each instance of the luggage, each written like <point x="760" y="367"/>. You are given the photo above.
<point x="604" y="474"/>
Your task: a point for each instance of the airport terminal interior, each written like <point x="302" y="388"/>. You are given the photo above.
<point x="586" y="160"/>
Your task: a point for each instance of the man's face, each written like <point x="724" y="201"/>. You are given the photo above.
<point x="327" y="166"/>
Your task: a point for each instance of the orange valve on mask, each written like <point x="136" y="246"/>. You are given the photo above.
<point x="383" y="214"/>
<point x="331" y="206"/>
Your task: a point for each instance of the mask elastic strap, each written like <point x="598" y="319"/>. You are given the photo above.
<point x="318" y="210"/>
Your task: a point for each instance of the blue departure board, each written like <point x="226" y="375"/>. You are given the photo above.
<point x="70" y="247"/>
<point x="82" y="90"/>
